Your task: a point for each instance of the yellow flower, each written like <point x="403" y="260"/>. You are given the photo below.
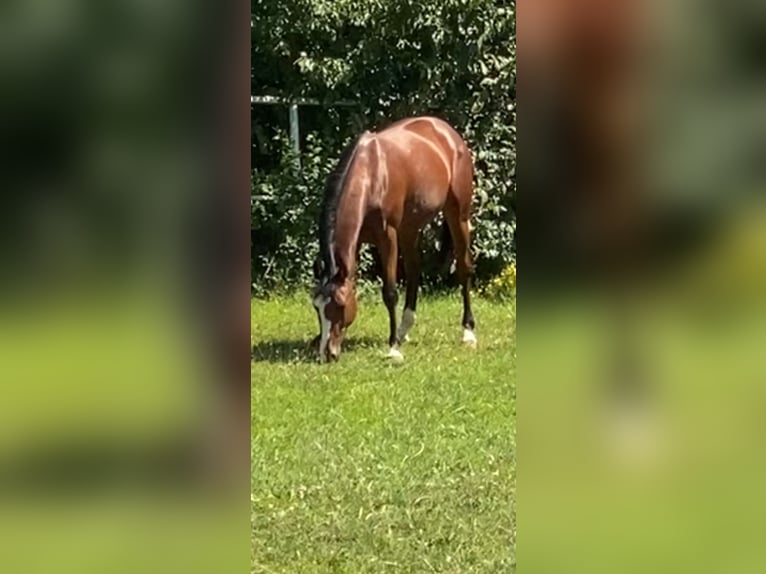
<point x="504" y="285"/>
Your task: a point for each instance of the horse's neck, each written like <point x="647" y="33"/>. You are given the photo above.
<point x="352" y="211"/>
<point x="356" y="201"/>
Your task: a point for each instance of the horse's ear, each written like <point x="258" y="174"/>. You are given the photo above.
<point x="327" y="289"/>
<point x="341" y="292"/>
<point x="342" y="286"/>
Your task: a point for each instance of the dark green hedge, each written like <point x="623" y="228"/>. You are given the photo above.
<point x="392" y="59"/>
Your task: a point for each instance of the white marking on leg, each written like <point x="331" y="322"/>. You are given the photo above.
<point x="408" y="320"/>
<point x="320" y="302"/>
<point x="395" y="355"/>
<point x="469" y="337"/>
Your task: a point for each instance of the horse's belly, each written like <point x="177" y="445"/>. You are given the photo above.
<point x="425" y="200"/>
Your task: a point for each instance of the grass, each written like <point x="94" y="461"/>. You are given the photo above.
<point x="366" y="466"/>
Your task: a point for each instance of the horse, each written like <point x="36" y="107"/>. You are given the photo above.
<point x="387" y="186"/>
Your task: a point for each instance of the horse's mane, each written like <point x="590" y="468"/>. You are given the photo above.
<point x="333" y="190"/>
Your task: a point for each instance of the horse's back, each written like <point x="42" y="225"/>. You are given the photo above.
<point x="426" y="160"/>
<point x="431" y="130"/>
<point x="428" y="146"/>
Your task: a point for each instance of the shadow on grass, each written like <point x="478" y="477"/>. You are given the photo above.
<point x="302" y="351"/>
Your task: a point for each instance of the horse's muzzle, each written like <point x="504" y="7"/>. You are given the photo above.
<point x="333" y="350"/>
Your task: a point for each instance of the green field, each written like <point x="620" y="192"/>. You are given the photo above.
<point x="367" y="466"/>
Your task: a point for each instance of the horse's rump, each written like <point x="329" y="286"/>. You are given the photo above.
<point x="424" y="157"/>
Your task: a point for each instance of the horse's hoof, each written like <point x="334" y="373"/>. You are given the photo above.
<point x="469" y="338"/>
<point x="395" y="355"/>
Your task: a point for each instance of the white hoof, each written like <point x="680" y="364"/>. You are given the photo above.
<point x="395" y="355"/>
<point x="469" y="338"/>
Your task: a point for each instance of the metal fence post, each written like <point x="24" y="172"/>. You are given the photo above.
<point x="295" y="135"/>
<point x="293" y="103"/>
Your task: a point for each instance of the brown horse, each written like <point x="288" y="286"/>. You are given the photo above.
<point x="387" y="186"/>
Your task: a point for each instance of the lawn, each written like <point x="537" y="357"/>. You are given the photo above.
<point x="367" y="466"/>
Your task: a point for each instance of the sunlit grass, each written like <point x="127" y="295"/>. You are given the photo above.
<point x="366" y="466"/>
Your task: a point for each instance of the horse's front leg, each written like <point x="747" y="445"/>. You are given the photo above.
<point x="389" y="254"/>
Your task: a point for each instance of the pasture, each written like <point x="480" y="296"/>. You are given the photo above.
<point x="365" y="466"/>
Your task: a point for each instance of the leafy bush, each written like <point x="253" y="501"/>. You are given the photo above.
<point x="284" y="207"/>
<point x="451" y="58"/>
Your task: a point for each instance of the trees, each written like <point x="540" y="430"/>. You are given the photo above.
<point x="450" y="58"/>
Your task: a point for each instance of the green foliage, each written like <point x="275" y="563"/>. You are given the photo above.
<point x="451" y="58"/>
<point x="284" y="209"/>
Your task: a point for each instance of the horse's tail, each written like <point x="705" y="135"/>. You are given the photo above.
<point x="446" y="251"/>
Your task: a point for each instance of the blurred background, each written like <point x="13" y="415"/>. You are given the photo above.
<point x="642" y="286"/>
<point x="123" y="286"/>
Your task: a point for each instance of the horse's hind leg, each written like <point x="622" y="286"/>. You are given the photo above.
<point x="460" y="230"/>
<point x="411" y="254"/>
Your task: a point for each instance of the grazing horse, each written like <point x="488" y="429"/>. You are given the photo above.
<point x="386" y="187"/>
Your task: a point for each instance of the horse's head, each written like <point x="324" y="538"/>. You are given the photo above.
<point x="334" y="299"/>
